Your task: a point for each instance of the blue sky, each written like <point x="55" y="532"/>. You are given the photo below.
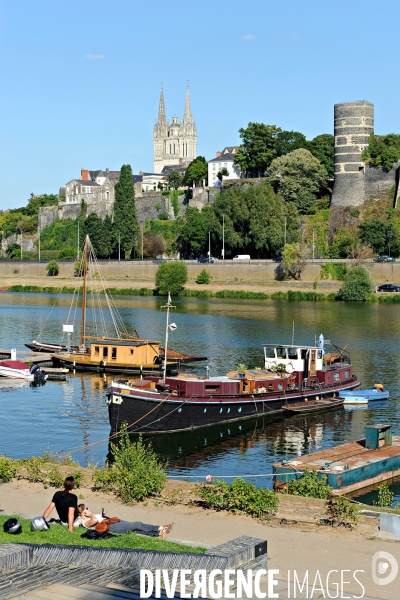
<point x="80" y="80"/>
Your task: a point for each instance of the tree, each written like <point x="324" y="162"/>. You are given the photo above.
<point x="287" y="141"/>
<point x="170" y="277"/>
<point x="382" y="151"/>
<point x="154" y="245"/>
<point x="125" y="219"/>
<point x="375" y="234"/>
<point x="223" y="173"/>
<point x="37" y="202"/>
<point x="323" y="148"/>
<point x="299" y="177"/>
<point x="294" y="260"/>
<point x="193" y="231"/>
<point x="196" y="172"/>
<point x="100" y="235"/>
<point x="174" y="180"/>
<point x="52" y="268"/>
<point x="357" y="285"/>
<point x="258" y="148"/>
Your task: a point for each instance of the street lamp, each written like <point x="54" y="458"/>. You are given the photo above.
<point x="209" y="244"/>
<point x="223" y="237"/>
<point x="39" y="242"/>
<point x="313" y="245"/>
<point x="142" y="237"/>
<point x="119" y="247"/>
<point x="21" y="244"/>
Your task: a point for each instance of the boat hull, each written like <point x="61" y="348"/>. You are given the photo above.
<point x="16" y="374"/>
<point x="373" y="394"/>
<point x="304" y="408"/>
<point x="75" y="363"/>
<point x="154" y="412"/>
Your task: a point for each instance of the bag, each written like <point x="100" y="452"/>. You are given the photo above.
<point x="104" y="526"/>
<point x="91" y="534"/>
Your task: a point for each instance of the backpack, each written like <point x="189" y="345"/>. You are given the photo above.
<point x="92" y="534"/>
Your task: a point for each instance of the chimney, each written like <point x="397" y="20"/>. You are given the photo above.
<point x="217" y="154"/>
<point x="84" y="175"/>
<point x="107" y="170"/>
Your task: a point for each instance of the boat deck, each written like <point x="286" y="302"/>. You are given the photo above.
<point x="348" y="467"/>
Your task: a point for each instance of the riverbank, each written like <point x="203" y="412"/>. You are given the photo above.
<point x="305" y="546"/>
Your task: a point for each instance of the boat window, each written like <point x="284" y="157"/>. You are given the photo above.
<point x="212" y="389"/>
<point x="131" y="350"/>
<point x="96" y="350"/>
<point x="113" y="353"/>
<point x="269" y="352"/>
<point x="336" y="377"/>
<point x="292" y="353"/>
<point x="281" y="352"/>
<point x="105" y="352"/>
<point x="304" y="354"/>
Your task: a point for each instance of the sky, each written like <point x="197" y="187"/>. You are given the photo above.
<point x="80" y="80"/>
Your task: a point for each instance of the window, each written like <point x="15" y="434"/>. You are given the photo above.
<point x="96" y="350"/>
<point x="213" y="166"/>
<point x="107" y="195"/>
<point x="131" y="350"/>
<point x="336" y="377"/>
<point x="212" y="389"/>
<point x="292" y="353"/>
<point x="346" y="374"/>
<point x="105" y="352"/>
<point x="281" y="353"/>
<point x="269" y="352"/>
<point x="113" y="353"/>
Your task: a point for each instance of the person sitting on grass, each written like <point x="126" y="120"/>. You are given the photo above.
<point x="65" y="503"/>
<point x="85" y="518"/>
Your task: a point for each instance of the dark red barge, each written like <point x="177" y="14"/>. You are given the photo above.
<point x="184" y="402"/>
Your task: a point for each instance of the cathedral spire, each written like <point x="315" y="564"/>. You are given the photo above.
<point x="187" y="115"/>
<point x="162" y="119"/>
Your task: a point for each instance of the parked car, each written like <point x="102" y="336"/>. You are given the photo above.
<point x="241" y="257"/>
<point x="389" y="287"/>
<point x="278" y="258"/>
<point x="206" y="259"/>
<point x="158" y="261"/>
<point x="384" y="258"/>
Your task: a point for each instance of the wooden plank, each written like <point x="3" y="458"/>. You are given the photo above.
<point x="82" y="592"/>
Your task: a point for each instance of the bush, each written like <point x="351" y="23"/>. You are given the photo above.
<point x="341" y="511"/>
<point x="67" y="252"/>
<point x="140" y="473"/>
<point x="335" y="270"/>
<point x="34" y="467"/>
<point x="105" y="479"/>
<point x="309" y="485"/>
<point x="239" y="496"/>
<point x="52" y="268"/>
<point x="357" y="285"/>
<point x="203" y="276"/>
<point x="8" y="468"/>
<point x="55" y="477"/>
<point x="385" y="496"/>
<point x="171" y="277"/>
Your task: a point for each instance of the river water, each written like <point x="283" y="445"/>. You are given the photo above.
<point x="71" y="416"/>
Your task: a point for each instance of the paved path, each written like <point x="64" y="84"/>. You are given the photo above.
<point x="288" y="549"/>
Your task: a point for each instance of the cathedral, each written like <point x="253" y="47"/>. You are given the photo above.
<point x="174" y="143"/>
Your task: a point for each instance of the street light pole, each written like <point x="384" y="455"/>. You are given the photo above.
<point x="209" y="244"/>
<point x="142" y="237"/>
<point x="119" y="247"/>
<point x="78" y="242"/>
<point x="223" y="237"/>
<point x="313" y="247"/>
<point x="21" y="244"/>
<point x="39" y="243"/>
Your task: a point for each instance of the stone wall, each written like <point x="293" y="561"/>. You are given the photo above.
<point x="378" y="182"/>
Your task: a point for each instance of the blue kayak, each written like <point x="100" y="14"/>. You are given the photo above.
<point x="373" y="394"/>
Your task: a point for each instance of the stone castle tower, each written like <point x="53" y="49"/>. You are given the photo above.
<point x="174" y="143"/>
<point x="354" y="122"/>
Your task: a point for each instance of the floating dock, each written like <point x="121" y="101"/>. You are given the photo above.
<point x="348" y="467"/>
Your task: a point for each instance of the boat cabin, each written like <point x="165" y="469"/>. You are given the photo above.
<point x="138" y="352"/>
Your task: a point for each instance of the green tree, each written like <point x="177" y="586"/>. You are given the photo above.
<point x="294" y="260"/>
<point x="382" y="151"/>
<point x="323" y="148"/>
<point x="35" y="203"/>
<point x="287" y="141"/>
<point x="100" y="235"/>
<point x="154" y="245"/>
<point x="52" y="268"/>
<point x="299" y="177"/>
<point x="258" y="148"/>
<point x="375" y="234"/>
<point x="174" y="180"/>
<point x="125" y="220"/>
<point x="193" y="231"/>
<point x="170" y="277"/>
<point x="196" y="172"/>
<point x="223" y="173"/>
<point x="357" y="285"/>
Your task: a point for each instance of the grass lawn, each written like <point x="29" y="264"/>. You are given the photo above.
<point x="58" y="534"/>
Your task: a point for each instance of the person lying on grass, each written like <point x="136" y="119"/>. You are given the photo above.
<point x="85" y="518"/>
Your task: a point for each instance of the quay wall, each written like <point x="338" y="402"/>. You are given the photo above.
<point x="230" y="272"/>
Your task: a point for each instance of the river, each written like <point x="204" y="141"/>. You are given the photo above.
<point x="71" y="416"/>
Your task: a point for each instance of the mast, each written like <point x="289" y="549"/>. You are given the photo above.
<point x="82" y="340"/>
<point x="168" y="305"/>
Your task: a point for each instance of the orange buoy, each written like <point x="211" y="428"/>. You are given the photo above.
<point x="379" y="386"/>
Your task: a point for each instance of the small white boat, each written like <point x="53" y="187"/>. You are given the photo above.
<point x="355" y="400"/>
<point x="15" y="369"/>
<point x="376" y="393"/>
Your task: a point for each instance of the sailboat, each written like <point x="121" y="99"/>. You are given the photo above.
<point x="123" y="353"/>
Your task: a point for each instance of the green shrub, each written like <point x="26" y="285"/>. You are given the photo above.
<point x="34" y="466"/>
<point x="341" y="511"/>
<point x="337" y="271"/>
<point x="239" y="496"/>
<point x="385" y="496"/>
<point x="175" y="202"/>
<point x="105" y="479"/>
<point x="203" y="277"/>
<point x="357" y="285"/>
<point x="67" y="252"/>
<point x="52" y="268"/>
<point x="8" y="468"/>
<point x="163" y="216"/>
<point x="55" y="477"/>
<point x="77" y="475"/>
<point x="170" y="277"/>
<point x="309" y="485"/>
<point x="140" y="473"/>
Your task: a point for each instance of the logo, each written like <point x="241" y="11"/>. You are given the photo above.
<point x="381" y="561"/>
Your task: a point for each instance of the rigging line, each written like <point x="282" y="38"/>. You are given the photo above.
<point x="115" y="434"/>
<point x="97" y="292"/>
<point x="48" y="316"/>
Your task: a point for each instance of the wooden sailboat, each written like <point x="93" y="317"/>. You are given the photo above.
<point x="102" y="353"/>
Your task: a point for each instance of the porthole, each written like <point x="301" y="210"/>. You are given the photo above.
<point x="229" y="410"/>
<point x="179" y="410"/>
<point x="280" y="386"/>
<point x="205" y="410"/>
<point x="240" y="409"/>
<point x="221" y="410"/>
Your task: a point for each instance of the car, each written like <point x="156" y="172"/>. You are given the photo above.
<point x="278" y="258"/>
<point x="158" y="261"/>
<point x="205" y="259"/>
<point x="384" y="258"/>
<point x="389" y="287"/>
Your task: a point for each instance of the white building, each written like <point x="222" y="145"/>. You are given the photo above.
<point x="223" y="160"/>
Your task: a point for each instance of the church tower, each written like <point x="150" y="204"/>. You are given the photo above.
<point x="174" y="143"/>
